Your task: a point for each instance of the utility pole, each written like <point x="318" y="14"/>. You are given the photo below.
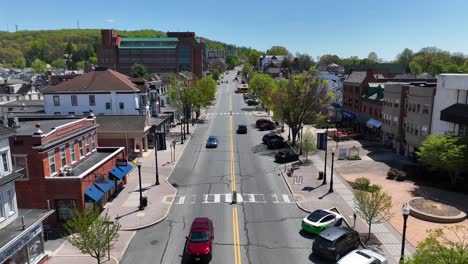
<point x="156" y="155"/>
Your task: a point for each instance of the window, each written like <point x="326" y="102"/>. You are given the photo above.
<point x="419" y="108"/>
<point x="11" y="202"/>
<point x="51" y="155"/>
<point x="81" y="149"/>
<point x="56" y="100"/>
<point x="21" y="161"/>
<point x="17" y="98"/>
<point x="425" y="109"/>
<point x="397" y="102"/>
<point x="2" y="212"/>
<point x="65" y="209"/>
<point x="8" y="98"/>
<point x="71" y="113"/>
<point x="72" y="151"/>
<point x="370" y="110"/>
<point x="5" y="166"/>
<point x="63" y="157"/>
<point x="74" y="100"/>
<point x="356" y="90"/>
<point x="108" y="106"/>
<point x="36" y="249"/>
<point x="57" y="113"/>
<point x="93" y="141"/>
<point x="416" y="131"/>
<point x="364" y="108"/>
<point x="87" y="145"/>
<point x="375" y="112"/>
<point x="121" y="106"/>
<point x="92" y="100"/>
<point x="30" y="97"/>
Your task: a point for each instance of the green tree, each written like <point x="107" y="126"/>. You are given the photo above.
<point x="39" y="66"/>
<point x="328" y="59"/>
<point x="261" y="86"/>
<point x="58" y="64"/>
<point x="404" y="58"/>
<point x="20" y="63"/>
<point x="302" y="62"/>
<point x="303" y="98"/>
<point x="436" y="68"/>
<point x="308" y="142"/>
<point x="81" y="64"/>
<point x="231" y="61"/>
<point x="415" y="68"/>
<point x="438" y="248"/>
<point x="91" y="233"/>
<point x="204" y="92"/>
<point x="216" y="74"/>
<point x="277" y="50"/>
<point x="253" y="57"/>
<point x="350" y="61"/>
<point x="218" y="65"/>
<point x="445" y="153"/>
<point x="93" y="60"/>
<point x="10" y="55"/>
<point x="138" y="71"/>
<point x="373" y="207"/>
<point x="458" y="58"/>
<point x="246" y="69"/>
<point x="452" y="68"/>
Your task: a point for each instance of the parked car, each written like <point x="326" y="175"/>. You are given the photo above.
<point x="270" y="136"/>
<point x="212" y="142"/>
<point x="286" y="156"/>
<point x="267" y="126"/>
<point x="335" y="242"/>
<point x="252" y="102"/>
<point x="199" y="242"/>
<point x="319" y="220"/>
<point x="241" y="129"/>
<point x="363" y="256"/>
<point x="276" y="143"/>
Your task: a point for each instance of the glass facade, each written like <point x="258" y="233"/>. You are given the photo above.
<point x="185" y="58"/>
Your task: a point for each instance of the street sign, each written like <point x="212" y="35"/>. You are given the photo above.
<point x="121" y="162"/>
<point x="321" y="141"/>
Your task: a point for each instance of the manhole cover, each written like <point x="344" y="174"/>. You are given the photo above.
<point x="154" y="242"/>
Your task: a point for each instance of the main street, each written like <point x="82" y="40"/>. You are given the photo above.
<point x="264" y="225"/>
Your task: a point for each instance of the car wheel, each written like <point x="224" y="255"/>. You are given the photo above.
<point x="357" y="244"/>
<point x="337" y="256"/>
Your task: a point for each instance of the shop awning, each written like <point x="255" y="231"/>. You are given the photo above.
<point x="105" y="186"/>
<point x="348" y="114"/>
<point x="363" y="119"/>
<point x="374" y="123"/>
<point x="456" y="113"/>
<point x="93" y="193"/>
<point x="119" y="172"/>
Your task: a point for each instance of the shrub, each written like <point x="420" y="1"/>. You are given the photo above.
<point x="374" y="188"/>
<point x="392" y="173"/>
<point x="401" y="176"/>
<point x="362" y="184"/>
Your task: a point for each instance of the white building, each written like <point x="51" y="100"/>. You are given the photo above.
<point x="105" y="91"/>
<point x="450" y="112"/>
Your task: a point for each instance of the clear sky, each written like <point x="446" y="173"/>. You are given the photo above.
<point x="316" y="27"/>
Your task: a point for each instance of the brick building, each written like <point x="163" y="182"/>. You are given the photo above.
<point x="64" y="167"/>
<point x="385" y="70"/>
<point x="354" y="87"/>
<point x="370" y="115"/>
<point x="179" y="51"/>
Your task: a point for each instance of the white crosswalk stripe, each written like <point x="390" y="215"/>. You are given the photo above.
<point x="242" y="113"/>
<point x="220" y="198"/>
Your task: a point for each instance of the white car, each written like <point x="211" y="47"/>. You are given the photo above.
<point x="319" y="220"/>
<point x="363" y="256"/>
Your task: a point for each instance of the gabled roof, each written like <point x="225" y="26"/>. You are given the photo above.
<point x="99" y="80"/>
<point x="6" y="132"/>
<point x="356" y="77"/>
<point x="374" y="94"/>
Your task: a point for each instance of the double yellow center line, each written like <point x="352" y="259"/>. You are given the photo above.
<point x="235" y="218"/>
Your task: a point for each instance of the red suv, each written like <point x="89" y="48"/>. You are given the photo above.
<point x="262" y="121"/>
<point x="199" y="245"/>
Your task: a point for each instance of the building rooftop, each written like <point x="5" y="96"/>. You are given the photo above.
<point x="28" y="128"/>
<point x="6" y="132"/>
<point x="99" y="80"/>
<point x="92" y="160"/>
<point x="356" y="77"/>
<point x="122" y="123"/>
<point x="148" y="47"/>
<point x="25" y="103"/>
<point x="160" y="39"/>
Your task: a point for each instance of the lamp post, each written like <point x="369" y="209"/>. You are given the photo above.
<point x="300" y="151"/>
<point x="326" y="154"/>
<point x="139" y="179"/>
<point x="331" y="173"/>
<point x="405" y="211"/>
<point x="156" y="156"/>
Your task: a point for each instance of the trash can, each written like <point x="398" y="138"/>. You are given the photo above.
<point x="320" y="175"/>
<point x="144" y="201"/>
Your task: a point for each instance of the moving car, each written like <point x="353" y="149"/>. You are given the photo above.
<point x="319" y="220"/>
<point x="363" y="256"/>
<point x="335" y="242"/>
<point x="212" y="142"/>
<point x="199" y="243"/>
<point x="286" y="156"/>
<point x="270" y="136"/>
<point x="276" y="143"/>
<point x="241" y="129"/>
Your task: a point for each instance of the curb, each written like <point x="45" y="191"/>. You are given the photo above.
<point x="114" y="259"/>
<point x="170" y="206"/>
<point x="292" y="192"/>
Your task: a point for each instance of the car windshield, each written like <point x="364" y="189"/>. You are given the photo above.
<point x="199" y="236"/>
<point x="317" y="215"/>
<point x="212" y="139"/>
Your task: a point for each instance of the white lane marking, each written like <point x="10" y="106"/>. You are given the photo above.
<point x="286" y="198"/>
<point x="193" y="198"/>
<point x="217" y="198"/>
<point x="275" y="198"/>
<point x="246" y="198"/>
<point x="228" y="198"/>
<point x="181" y="200"/>
<point x="239" y="198"/>
<point x="251" y="198"/>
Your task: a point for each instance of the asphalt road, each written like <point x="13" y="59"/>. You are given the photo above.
<point x="267" y="222"/>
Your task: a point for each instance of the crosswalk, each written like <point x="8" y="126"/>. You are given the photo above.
<point x="220" y="198"/>
<point x="228" y="113"/>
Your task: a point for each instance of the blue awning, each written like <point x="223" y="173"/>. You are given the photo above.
<point x="105" y="186"/>
<point x="93" y="193"/>
<point x="348" y="114"/>
<point x="374" y="123"/>
<point x="120" y="171"/>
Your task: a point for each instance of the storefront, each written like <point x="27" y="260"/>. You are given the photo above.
<point x="119" y="173"/>
<point x="349" y="119"/>
<point x="26" y="248"/>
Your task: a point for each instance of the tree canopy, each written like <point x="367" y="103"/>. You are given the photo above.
<point x="262" y="86"/>
<point x="138" y="71"/>
<point x="277" y="50"/>
<point x="232" y="61"/>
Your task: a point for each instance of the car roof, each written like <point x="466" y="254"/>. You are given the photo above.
<point x="242" y="125"/>
<point x="201" y="223"/>
<point x="212" y="137"/>
<point x="363" y="256"/>
<point x="333" y="233"/>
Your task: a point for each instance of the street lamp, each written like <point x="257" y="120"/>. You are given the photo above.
<point x="181" y="131"/>
<point x="156" y="155"/>
<point x="139" y="179"/>
<point x="300" y="151"/>
<point x="331" y="173"/>
<point x="326" y="154"/>
<point x="405" y="211"/>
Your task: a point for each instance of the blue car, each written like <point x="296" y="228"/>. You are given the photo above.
<point x="212" y="142"/>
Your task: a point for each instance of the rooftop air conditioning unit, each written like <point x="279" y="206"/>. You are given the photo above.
<point x="68" y="170"/>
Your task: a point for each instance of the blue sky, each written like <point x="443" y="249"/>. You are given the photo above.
<point x="317" y="27"/>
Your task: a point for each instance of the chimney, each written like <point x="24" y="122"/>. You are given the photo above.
<point x="38" y="136"/>
<point x="38" y="132"/>
<point x="91" y="116"/>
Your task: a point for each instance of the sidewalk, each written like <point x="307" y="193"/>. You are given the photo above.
<point x="124" y="208"/>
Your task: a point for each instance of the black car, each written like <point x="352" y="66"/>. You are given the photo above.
<point x="252" y="102"/>
<point x="276" y="143"/>
<point x="266" y="126"/>
<point x="286" y="156"/>
<point x="241" y="129"/>
<point x="271" y="136"/>
<point x="335" y="242"/>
